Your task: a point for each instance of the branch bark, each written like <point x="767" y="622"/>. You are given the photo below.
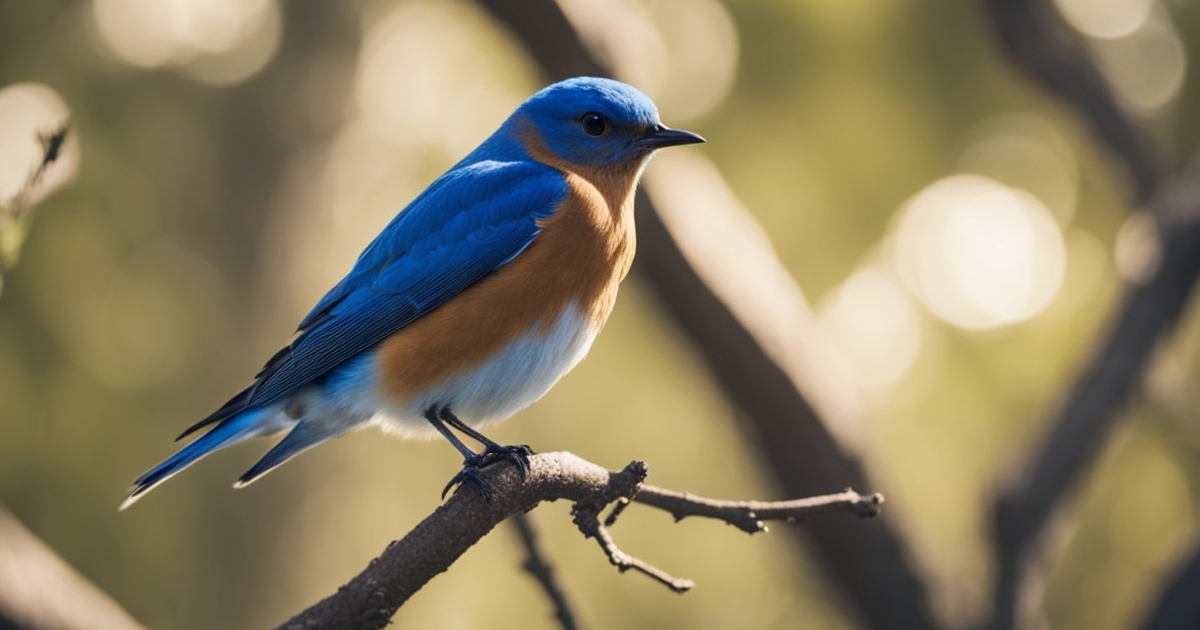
<point x="370" y="599"/>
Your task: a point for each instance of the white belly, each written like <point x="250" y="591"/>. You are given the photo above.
<point x="522" y="372"/>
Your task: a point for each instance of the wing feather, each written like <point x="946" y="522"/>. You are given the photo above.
<point x="470" y="222"/>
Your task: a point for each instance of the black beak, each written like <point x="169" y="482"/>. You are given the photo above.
<point x="659" y="136"/>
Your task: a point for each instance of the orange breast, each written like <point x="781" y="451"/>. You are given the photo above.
<point x="582" y="254"/>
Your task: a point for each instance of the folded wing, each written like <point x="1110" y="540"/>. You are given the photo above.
<point x="468" y="223"/>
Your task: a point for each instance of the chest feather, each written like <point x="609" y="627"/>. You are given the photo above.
<point x="584" y="251"/>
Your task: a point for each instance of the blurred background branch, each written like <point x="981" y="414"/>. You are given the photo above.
<point x="1038" y="43"/>
<point x="39" y="591"/>
<point x="1177" y="608"/>
<point x="15" y="212"/>
<point x="1041" y="45"/>
<point x="538" y="566"/>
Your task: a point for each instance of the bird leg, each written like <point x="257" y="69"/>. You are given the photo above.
<point x="492" y="451"/>
<point x="473" y="462"/>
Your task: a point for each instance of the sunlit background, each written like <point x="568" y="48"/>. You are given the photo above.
<point x="959" y="234"/>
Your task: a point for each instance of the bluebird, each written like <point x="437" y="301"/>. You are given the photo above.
<point x="473" y="302"/>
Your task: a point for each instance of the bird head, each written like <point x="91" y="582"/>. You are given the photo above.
<point x="599" y="122"/>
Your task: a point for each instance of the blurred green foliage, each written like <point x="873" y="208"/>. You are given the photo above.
<point x="155" y="284"/>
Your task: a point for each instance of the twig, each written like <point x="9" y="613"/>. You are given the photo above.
<point x="587" y="519"/>
<point x="370" y="599"/>
<point x="14" y="209"/>
<point x="536" y="565"/>
<point x="748" y="516"/>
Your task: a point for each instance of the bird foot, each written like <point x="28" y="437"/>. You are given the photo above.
<point x="517" y="454"/>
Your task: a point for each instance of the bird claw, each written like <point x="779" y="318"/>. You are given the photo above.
<point x="471" y="474"/>
<point x="517" y="454"/>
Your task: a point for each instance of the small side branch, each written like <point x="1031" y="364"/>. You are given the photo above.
<point x="15" y="212"/>
<point x="370" y="599"/>
<point x="748" y="516"/>
<point x="587" y="519"/>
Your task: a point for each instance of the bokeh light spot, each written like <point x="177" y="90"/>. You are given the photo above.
<point x="875" y="325"/>
<point x="1138" y="251"/>
<point x="702" y="53"/>
<point x="1105" y="18"/>
<point x="1028" y="153"/>
<point x="977" y="253"/>
<point x="433" y="73"/>
<point x="682" y="53"/>
<point x="1147" y="67"/>
<point x="137" y="31"/>
<point x="264" y="32"/>
<point x="220" y="42"/>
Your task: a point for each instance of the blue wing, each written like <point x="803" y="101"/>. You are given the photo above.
<point x="468" y="223"/>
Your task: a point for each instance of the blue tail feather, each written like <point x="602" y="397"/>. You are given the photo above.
<point x="240" y="427"/>
<point x="304" y="436"/>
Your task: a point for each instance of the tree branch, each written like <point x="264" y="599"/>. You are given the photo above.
<point x="1041" y="45"/>
<point x="370" y="599"/>
<point x="1148" y="313"/>
<point x="748" y="516"/>
<point x="587" y="519"/>
<point x="536" y="565"/>
<point x="1038" y="43"/>
<point x="40" y="591"/>
<point x="1177" y="607"/>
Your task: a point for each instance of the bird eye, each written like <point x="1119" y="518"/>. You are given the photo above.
<point x="594" y="124"/>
